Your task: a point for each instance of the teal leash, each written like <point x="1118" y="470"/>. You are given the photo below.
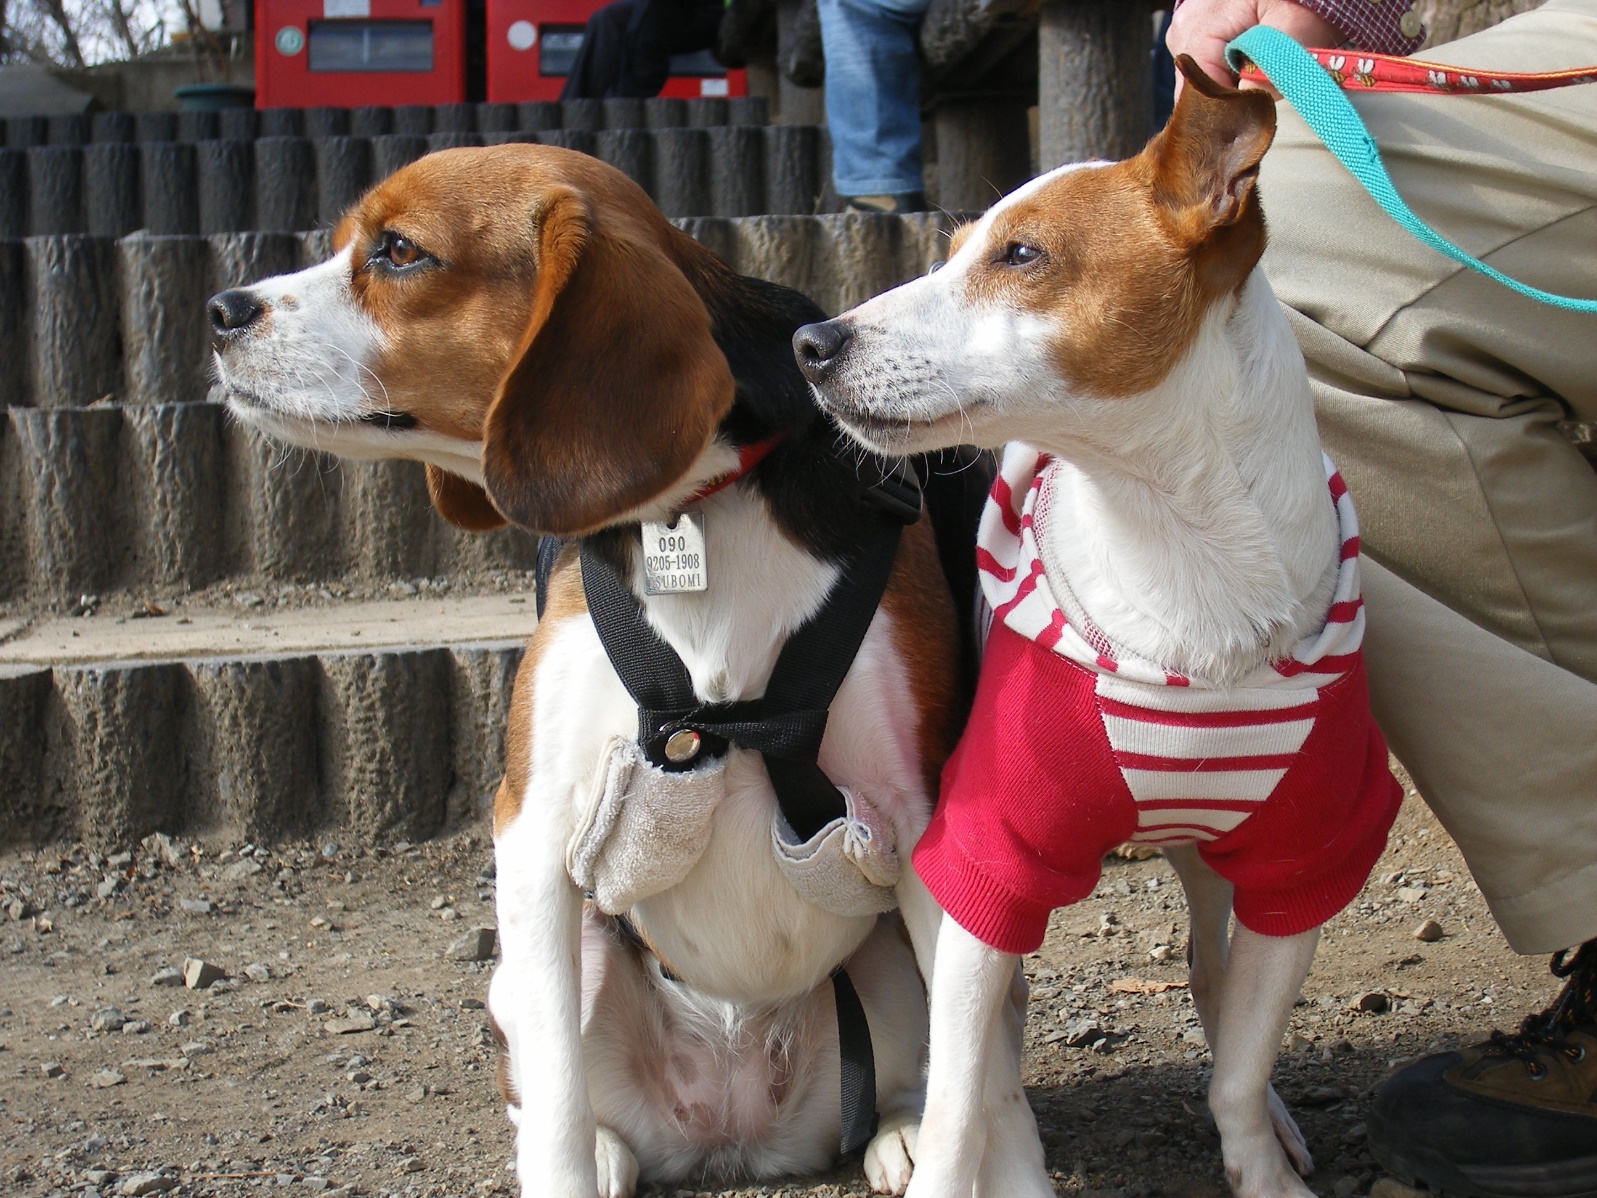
<point x="1323" y="107"/>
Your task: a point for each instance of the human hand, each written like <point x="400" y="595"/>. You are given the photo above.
<point x="1203" y="29"/>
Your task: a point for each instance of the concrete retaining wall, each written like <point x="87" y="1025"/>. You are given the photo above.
<point x="174" y="497"/>
<point x="85" y="319"/>
<point x="295" y="182"/>
<point x="81" y="129"/>
<point x="394" y="743"/>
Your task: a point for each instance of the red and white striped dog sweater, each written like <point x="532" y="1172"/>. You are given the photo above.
<point x="1074" y="747"/>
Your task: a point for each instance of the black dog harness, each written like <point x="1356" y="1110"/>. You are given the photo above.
<point x="677" y="731"/>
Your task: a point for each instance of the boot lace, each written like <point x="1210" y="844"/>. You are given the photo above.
<point x="1547" y="1032"/>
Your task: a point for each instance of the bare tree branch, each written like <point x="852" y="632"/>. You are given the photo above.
<point x="120" y="20"/>
<point x="55" y="11"/>
<point x="73" y="33"/>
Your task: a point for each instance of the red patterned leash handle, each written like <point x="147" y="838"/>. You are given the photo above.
<point x="1359" y="71"/>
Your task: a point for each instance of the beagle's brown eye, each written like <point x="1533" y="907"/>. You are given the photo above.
<point x="403" y="253"/>
<point x="399" y="251"/>
<point x="1019" y="254"/>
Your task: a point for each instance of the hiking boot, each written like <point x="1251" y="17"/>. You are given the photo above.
<point x="1515" y="1117"/>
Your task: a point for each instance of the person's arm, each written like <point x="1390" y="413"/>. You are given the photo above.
<point x="1202" y="28"/>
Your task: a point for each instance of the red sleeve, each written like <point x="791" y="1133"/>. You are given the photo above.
<point x="1383" y="26"/>
<point x="1031" y="800"/>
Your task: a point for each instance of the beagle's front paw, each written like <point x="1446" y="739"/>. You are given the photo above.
<point x="890" y="1156"/>
<point x="618" y="1168"/>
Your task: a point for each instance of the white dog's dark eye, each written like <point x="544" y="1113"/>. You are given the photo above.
<point x="1019" y="254"/>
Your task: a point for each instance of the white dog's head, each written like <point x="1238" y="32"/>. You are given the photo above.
<point x="1084" y="287"/>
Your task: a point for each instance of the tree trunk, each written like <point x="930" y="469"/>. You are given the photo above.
<point x="983" y="151"/>
<point x="1094" y="85"/>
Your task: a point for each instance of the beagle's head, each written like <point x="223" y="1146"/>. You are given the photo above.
<point x="1085" y="286"/>
<point x="518" y="318"/>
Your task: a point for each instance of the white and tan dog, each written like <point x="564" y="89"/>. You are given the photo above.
<point x="1174" y="652"/>
<point x="526" y="323"/>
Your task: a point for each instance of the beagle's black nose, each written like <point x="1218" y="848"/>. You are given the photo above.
<point x="818" y="346"/>
<point x="232" y="312"/>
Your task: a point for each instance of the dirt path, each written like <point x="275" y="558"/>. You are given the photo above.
<point x="243" y="1089"/>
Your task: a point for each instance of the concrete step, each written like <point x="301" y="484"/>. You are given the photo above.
<point x="83" y="318"/>
<point x="292" y="183"/>
<point x="74" y="129"/>
<point x="247" y="625"/>
<point x="257" y="726"/>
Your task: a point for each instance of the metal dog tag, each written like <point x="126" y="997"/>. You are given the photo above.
<point x="673" y="556"/>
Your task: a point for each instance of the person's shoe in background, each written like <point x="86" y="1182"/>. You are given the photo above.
<point x="887" y="205"/>
<point x="1514" y="1117"/>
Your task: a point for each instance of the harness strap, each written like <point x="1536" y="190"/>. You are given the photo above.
<point x="1323" y="107"/>
<point x="787" y="724"/>
<point x="857" y="1062"/>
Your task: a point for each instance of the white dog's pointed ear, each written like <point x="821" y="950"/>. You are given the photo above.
<point x="1207" y="158"/>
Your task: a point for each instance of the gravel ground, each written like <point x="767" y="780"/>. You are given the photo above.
<point x="343" y="1051"/>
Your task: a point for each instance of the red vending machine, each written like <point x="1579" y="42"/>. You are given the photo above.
<point x="532" y="44"/>
<point x="346" y="53"/>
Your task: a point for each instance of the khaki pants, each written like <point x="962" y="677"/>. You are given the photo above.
<point x="1438" y="393"/>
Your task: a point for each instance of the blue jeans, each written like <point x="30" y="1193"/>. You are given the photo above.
<point x="873" y="94"/>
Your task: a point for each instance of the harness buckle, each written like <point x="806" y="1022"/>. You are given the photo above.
<point x="679" y="742"/>
<point x="682" y="746"/>
<point x="896" y="490"/>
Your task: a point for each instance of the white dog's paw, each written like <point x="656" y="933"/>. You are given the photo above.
<point x="618" y="1168"/>
<point x="1291" y="1139"/>
<point x="890" y="1156"/>
<point x="1256" y="1167"/>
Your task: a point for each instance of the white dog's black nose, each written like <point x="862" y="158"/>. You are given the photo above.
<point x="232" y="312"/>
<point x="818" y="346"/>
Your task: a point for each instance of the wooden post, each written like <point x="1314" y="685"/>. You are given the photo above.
<point x="1094" y="86"/>
<point x="983" y="150"/>
<point x="795" y="105"/>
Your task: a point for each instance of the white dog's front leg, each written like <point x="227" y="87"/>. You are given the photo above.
<point x="536" y="998"/>
<point x="1013" y="1164"/>
<point x="1208" y="932"/>
<point x="1209" y="901"/>
<point x="923" y="920"/>
<point x="1262" y="980"/>
<point x="970" y="986"/>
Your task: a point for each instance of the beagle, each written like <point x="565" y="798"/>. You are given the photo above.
<point x="1172" y="567"/>
<point x="524" y="322"/>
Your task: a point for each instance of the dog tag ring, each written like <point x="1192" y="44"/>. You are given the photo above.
<point x="682" y="746"/>
<point x="673" y="556"/>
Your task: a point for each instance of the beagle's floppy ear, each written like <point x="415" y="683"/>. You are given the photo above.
<point x="617" y="385"/>
<point x="462" y="502"/>
<point x="1206" y="171"/>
